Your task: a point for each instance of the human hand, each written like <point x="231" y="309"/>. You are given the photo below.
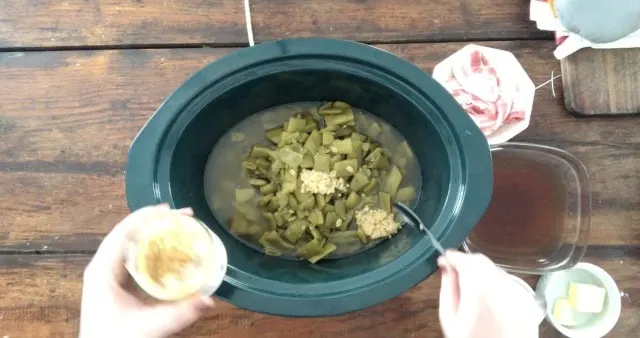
<point x="108" y="309"/>
<point x="478" y="299"/>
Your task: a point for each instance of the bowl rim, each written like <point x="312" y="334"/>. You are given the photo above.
<point x="473" y="190"/>
<point x="606" y="324"/>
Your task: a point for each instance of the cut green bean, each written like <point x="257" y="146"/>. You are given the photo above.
<point x="244" y="195"/>
<point x="295" y="230"/>
<point x="352" y="200"/>
<point x="273" y="239"/>
<point x="359" y="181"/>
<point x="326" y="250"/>
<point x="269" y="188"/>
<point x="346" y="168"/>
<point x="344" y="147"/>
<point x="274" y="135"/>
<point x="392" y="182"/>
<point x="327" y="137"/>
<point x="341" y="208"/>
<point x="322" y="162"/>
<point x="339" y="119"/>
<point x="296" y="124"/>
<point x="406" y="194"/>
<point x="385" y="201"/>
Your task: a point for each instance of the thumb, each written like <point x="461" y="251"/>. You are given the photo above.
<point x="168" y="319"/>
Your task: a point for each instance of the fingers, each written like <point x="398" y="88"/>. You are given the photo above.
<point x="167" y="319"/>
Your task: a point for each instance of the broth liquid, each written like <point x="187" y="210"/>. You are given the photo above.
<point x="525" y="218"/>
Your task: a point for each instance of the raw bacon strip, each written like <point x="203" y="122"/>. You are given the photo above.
<point x="491" y="87"/>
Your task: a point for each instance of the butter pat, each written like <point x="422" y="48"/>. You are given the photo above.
<point x="563" y="312"/>
<point x="586" y="298"/>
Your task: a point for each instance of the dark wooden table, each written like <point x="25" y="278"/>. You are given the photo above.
<point x="78" y="78"/>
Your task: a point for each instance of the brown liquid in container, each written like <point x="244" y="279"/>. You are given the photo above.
<point x="526" y="215"/>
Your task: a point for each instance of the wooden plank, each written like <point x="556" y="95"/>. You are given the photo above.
<point x="602" y="81"/>
<point x="67" y="118"/>
<point x="52" y="23"/>
<point x="134" y="22"/>
<point x="40" y="297"/>
<point x="385" y="21"/>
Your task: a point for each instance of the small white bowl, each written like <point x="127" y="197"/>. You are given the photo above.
<point x="588" y="325"/>
<point x="216" y="263"/>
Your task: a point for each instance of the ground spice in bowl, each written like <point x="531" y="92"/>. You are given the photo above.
<point x="175" y="256"/>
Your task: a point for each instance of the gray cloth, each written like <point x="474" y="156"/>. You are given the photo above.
<point x="599" y="21"/>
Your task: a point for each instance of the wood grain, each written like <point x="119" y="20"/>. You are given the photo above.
<point x="36" y="24"/>
<point x="53" y="23"/>
<point x="40" y="297"/>
<point x="67" y="118"/>
<point x="602" y="82"/>
<point x="383" y="20"/>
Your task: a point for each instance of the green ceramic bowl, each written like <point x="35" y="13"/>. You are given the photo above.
<point x="167" y="158"/>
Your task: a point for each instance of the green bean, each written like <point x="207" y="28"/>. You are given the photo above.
<point x="369" y="187"/>
<point x="343" y="236"/>
<point x="307" y="160"/>
<point x="341" y="208"/>
<point x="289" y="156"/>
<point x="274" y="135"/>
<point x="311" y="249"/>
<point x="269" y="188"/>
<point x="327" y="137"/>
<point x="269" y="251"/>
<point x="296" y="124"/>
<point x="322" y="162"/>
<point x="330" y="220"/>
<point x="244" y="195"/>
<point x="377" y="159"/>
<point x="406" y="194"/>
<point x="293" y="202"/>
<point x="374" y="130"/>
<point x="326" y="250"/>
<point x="273" y="239"/>
<point x="295" y="230"/>
<point x="315" y="233"/>
<point x="257" y="182"/>
<point x="271" y="220"/>
<point x="320" y="201"/>
<point x="344" y="132"/>
<point x="344" y="147"/>
<point x="391" y="184"/>
<point x="249" y="164"/>
<point x="385" y="201"/>
<point x="345" y="168"/>
<point x="362" y="236"/>
<point x="311" y="123"/>
<point x="259" y="151"/>
<point x="263" y="163"/>
<point x="359" y="181"/>
<point x="340" y="119"/>
<point x="264" y="200"/>
<point x="316" y="217"/>
<point x="314" y="141"/>
<point x="331" y="111"/>
<point x="352" y="200"/>
<point x="241" y="226"/>
<point x="340" y="105"/>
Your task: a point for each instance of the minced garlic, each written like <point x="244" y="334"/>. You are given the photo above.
<point x="376" y="223"/>
<point x="319" y="182"/>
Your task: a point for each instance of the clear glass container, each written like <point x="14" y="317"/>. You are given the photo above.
<point x="538" y="218"/>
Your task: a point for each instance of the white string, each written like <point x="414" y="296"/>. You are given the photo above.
<point x="247" y="19"/>
<point x="553" y="88"/>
